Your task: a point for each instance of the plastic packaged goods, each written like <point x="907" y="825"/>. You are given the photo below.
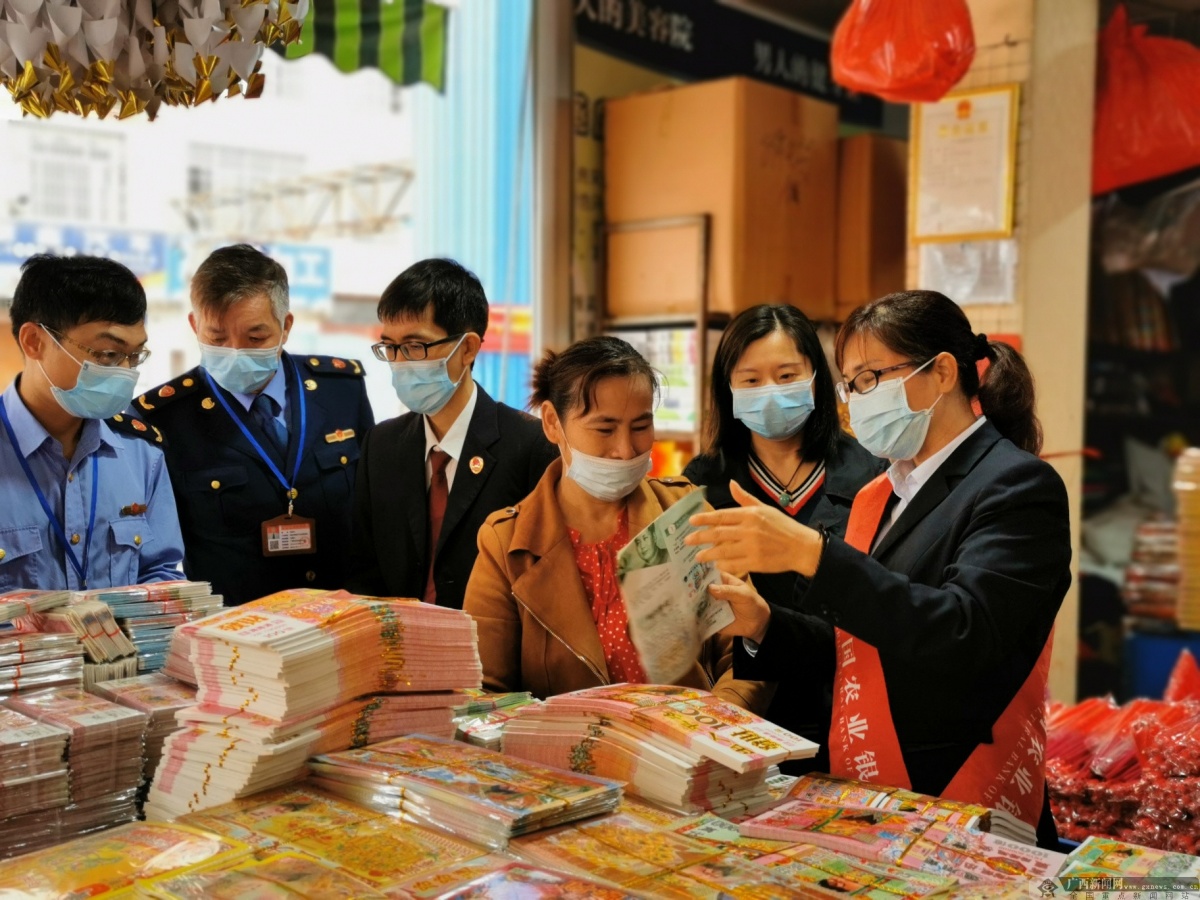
<point x="160" y="698"/>
<point x="470" y="792"/>
<point x="286" y="876"/>
<point x="905" y="51"/>
<point x="304" y="672"/>
<point x="149" y="614"/>
<point x="113" y="860"/>
<point x="643" y="735"/>
<point x="525" y="881"/>
<point x="104" y="752"/>
<point x="1187" y="497"/>
<point x="15" y="604"/>
<point x="1147" y="121"/>
<point x="33" y="773"/>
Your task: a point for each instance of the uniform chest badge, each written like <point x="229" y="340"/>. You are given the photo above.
<point x="134" y="509"/>
<point x="476" y="465"/>
<point x="342" y="434"/>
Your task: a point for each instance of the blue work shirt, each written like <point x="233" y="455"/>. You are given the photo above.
<point x="276" y="389"/>
<point x="130" y="545"/>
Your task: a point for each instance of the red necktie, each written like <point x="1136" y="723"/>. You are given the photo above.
<point x="439" y="493"/>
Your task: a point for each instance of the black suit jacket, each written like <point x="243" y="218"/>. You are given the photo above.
<point x="391" y="516"/>
<point x="804" y="700"/>
<point x="225" y="491"/>
<point x="959" y="598"/>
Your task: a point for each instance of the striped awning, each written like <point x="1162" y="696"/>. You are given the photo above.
<point x="405" y="39"/>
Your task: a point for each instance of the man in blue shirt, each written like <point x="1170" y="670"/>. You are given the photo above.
<point x="87" y="503"/>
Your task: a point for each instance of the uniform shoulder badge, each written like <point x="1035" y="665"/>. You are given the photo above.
<point x="156" y="398"/>
<point x="332" y="365"/>
<point x="131" y="426"/>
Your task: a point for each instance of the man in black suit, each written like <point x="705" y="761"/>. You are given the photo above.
<point x="261" y="445"/>
<point x="430" y="477"/>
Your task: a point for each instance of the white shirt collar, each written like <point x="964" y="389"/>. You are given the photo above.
<point x="456" y="435"/>
<point x="908" y="479"/>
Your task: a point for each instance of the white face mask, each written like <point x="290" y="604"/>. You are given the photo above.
<point x="609" y="480"/>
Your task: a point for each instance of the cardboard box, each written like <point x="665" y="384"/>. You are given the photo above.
<point x="761" y="161"/>
<point x="871" y="235"/>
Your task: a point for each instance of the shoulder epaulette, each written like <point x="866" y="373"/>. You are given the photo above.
<point x="127" y="424"/>
<point x="160" y="396"/>
<point x="331" y="365"/>
<point x="503" y="515"/>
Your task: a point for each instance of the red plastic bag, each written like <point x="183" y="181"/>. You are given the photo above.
<point x="1185" y="679"/>
<point x="1147" y="117"/>
<point x="906" y="51"/>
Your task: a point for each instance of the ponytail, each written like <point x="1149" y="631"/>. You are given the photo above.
<point x="1006" y="396"/>
<point x="922" y="324"/>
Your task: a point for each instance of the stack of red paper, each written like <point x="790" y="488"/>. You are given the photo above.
<point x="676" y="746"/>
<point x="300" y="672"/>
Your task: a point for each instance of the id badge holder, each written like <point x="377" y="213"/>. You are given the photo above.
<point x="289" y="536"/>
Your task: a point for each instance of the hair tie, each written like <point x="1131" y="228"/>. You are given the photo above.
<point x="983" y="347"/>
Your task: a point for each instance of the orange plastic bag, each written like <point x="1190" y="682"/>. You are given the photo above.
<point x="906" y="51"/>
<point x="1147" y="117"/>
<point x="1185" y="679"/>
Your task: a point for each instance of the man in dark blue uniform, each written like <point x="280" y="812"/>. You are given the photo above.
<point x="262" y="446"/>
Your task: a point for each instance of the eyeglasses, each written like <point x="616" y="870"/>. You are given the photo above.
<point x="105" y="357"/>
<point x="413" y="351"/>
<point x="866" y="381"/>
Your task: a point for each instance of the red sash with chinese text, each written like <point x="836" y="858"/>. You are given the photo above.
<point x="1006" y="774"/>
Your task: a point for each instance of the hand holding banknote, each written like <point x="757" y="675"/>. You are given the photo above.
<point x="754" y="537"/>
<point x="751" y="613"/>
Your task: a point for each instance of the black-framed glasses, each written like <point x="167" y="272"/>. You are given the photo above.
<point x="413" y="351"/>
<point x="104" y="357"/>
<point x="867" y="380"/>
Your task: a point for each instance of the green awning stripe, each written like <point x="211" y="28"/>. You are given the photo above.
<point x="368" y="52"/>
<point x="433" y="45"/>
<point x="405" y="39"/>
<point x="414" y="14"/>
<point x="349" y="33"/>
<point x="391" y="37"/>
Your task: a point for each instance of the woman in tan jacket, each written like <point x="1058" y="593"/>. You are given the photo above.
<point x="544" y="588"/>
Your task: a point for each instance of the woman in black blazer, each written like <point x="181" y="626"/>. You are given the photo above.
<point x="943" y="594"/>
<point x="774" y="431"/>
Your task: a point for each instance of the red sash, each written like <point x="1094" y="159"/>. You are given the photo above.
<point x="1006" y="774"/>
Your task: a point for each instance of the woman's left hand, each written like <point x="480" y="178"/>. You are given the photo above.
<point x="755" y="538"/>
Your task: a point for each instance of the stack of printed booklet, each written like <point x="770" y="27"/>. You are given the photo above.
<point x="298" y="672"/>
<point x="149" y="614"/>
<point x="475" y="793"/>
<point x="679" y="747"/>
<point x="103" y="754"/>
<point x="30" y="662"/>
<point x="303" y="841"/>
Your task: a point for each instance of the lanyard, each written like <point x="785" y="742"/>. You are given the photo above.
<point x="59" y="531"/>
<point x="290" y="487"/>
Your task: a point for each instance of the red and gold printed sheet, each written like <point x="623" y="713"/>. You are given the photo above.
<point x="112" y="860"/>
<point x="469" y="791"/>
<point x="299" y="652"/>
<point x="281" y="876"/>
<point x="523" y="882"/>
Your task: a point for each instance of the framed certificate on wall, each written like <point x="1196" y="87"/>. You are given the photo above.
<point x="964" y="165"/>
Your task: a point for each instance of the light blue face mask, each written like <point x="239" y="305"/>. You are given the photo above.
<point x="424" y="385"/>
<point x="885" y="424"/>
<point x="775" y="411"/>
<point x="240" y="370"/>
<point x="100" y="392"/>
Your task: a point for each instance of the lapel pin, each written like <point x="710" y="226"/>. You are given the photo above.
<point x="476" y="465"/>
